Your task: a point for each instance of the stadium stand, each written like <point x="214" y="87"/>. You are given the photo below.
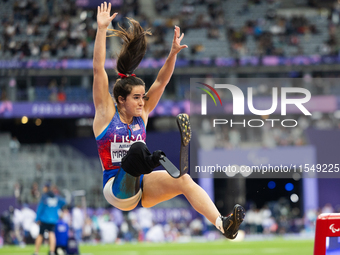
<point x="60" y="30"/>
<point x="60" y="165"/>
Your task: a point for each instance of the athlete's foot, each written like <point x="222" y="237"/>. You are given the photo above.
<point x="232" y="222"/>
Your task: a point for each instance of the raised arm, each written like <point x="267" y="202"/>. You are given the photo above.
<point x="156" y="90"/>
<point x="101" y="96"/>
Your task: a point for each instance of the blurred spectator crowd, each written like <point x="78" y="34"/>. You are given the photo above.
<point x="59" y="29"/>
<point x="44" y="30"/>
<point x="279" y="218"/>
<point x="155" y="225"/>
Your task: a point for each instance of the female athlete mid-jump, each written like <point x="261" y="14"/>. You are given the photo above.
<point x="120" y="129"/>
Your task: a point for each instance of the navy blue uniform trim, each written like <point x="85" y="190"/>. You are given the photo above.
<point x="108" y="174"/>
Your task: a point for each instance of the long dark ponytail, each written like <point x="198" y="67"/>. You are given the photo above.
<point x="130" y="56"/>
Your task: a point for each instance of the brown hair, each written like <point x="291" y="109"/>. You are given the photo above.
<point x="130" y="56"/>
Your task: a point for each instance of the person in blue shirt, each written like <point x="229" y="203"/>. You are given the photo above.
<point x="47" y="217"/>
<point x="61" y="234"/>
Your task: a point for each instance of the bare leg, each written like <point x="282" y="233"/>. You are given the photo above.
<point x="52" y="241"/>
<point x="38" y="242"/>
<point x="125" y="185"/>
<point x="159" y="186"/>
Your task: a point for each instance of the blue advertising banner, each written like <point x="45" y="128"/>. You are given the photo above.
<point x="10" y="109"/>
<point x="95" y="3"/>
<point x="158" y="63"/>
<point x="46" y="110"/>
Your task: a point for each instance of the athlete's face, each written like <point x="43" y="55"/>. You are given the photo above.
<point x="135" y="101"/>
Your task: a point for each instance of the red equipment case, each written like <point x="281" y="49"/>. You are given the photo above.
<point x="327" y="234"/>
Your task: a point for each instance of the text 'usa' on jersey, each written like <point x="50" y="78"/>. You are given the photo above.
<point x="117" y="139"/>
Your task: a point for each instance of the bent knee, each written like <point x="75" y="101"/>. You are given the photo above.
<point x="184" y="182"/>
<point x="186" y="179"/>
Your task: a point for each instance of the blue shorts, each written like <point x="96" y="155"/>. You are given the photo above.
<point x="108" y="174"/>
<point x="125" y="204"/>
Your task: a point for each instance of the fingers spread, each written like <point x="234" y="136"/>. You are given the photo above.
<point x="181" y="37"/>
<point x="105" y="6"/>
<point x="114" y="15"/>
<point x="109" y="8"/>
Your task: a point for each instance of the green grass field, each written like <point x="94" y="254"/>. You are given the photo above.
<point x="275" y="247"/>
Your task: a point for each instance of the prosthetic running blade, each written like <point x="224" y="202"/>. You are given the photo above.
<point x="169" y="167"/>
<point x="185" y="132"/>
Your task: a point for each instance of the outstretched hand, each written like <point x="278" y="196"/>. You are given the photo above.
<point x="103" y="16"/>
<point x="176" y="43"/>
